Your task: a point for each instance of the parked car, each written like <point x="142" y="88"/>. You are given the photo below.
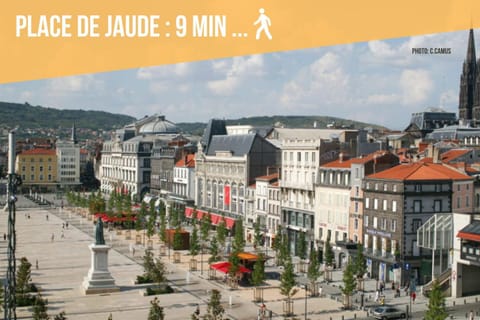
<point x="388" y="312"/>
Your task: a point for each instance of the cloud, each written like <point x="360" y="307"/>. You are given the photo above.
<point x="179" y="70"/>
<point x="322" y="82"/>
<point x="382" y="99"/>
<point x="234" y="72"/>
<point x="75" y="85"/>
<point x="416" y="85"/>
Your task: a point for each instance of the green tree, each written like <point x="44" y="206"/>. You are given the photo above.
<point x="349" y="283"/>
<point x="214" y="251"/>
<point x="258" y="274"/>
<point x="156" y="311"/>
<point x="24" y="277"/>
<point x="436" y="304"/>
<point x="329" y="257"/>
<point x="163" y="227"/>
<point x="257" y="234"/>
<point x="360" y="266"/>
<point x="141" y="217"/>
<point x="287" y="280"/>
<point x="177" y="238"/>
<point x="237" y="247"/>
<point x="205" y="224"/>
<point x="301" y="246"/>
<point x="313" y="271"/>
<point x="194" y="242"/>
<point x="215" y="309"/>
<point x="222" y="232"/>
<point x="148" y="264"/>
<point x="239" y="239"/>
<point x="40" y="308"/>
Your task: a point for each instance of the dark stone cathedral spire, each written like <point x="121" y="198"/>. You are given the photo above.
<point x="467" y="82"/>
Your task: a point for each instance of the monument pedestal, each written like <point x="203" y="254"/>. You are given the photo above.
<point x="99" y="279"/>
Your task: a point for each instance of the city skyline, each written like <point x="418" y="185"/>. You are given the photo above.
<point x="380" y="82"/>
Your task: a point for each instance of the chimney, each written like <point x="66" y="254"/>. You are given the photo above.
<point x="340" y="157"/>
<point x="435" y="155"/>
<point x="186" y="159"/>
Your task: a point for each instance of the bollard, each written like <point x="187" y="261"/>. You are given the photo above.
<point x="454" y="303"/>
<point x="354" y="316"/>
<point x="476" y="299"/>
<point x="464" y="301"/>
<point x="466" y="315"/>
<point x="343" y="317"/>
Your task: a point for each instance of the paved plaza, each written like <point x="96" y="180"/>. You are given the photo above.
<point x="65" y="261"/>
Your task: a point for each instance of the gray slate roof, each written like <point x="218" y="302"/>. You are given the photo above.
<point x="239" y="145"/>
<point x="473" y="228"/>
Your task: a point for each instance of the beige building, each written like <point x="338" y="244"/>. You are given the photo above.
<point x="38" y="169"/>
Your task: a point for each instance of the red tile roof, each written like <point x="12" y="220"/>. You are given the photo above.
<point x="369" y="157"/>
<point x="420" y="171"/>
<point x="453" y="154"/>
<point x="190" y="161"/>
<point x="338" y="164"/>
<point x="39" y="151"/>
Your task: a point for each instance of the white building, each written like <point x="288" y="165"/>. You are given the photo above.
<point x="184" y="177"/>
<point x="68" y="161"/>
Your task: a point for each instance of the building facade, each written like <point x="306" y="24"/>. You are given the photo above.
<point x="38" y="169"/>
<point x="397" y="202"/>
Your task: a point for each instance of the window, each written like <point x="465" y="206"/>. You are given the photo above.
<point x="385" y="205"/>
<point x="41" y="169"/>
<point x="385" y="187"/>
<point x="357" y="175"/>
<point x="291" y="156"/>
<point x="458" y="202"/>
<point x="367" y="186"/>
<point x="376" y="186"/>
<point x="23" y="168"/>
<point x="437" y="205"/>
<point x="384" y="223"/>
<point x="417" y="206"/>
<point x="393" y="226"/>
<point x="394" y="188"/>
<point x="299" y="156"/>
<point x="367" y="203"/>
<point x="313" y="156"/>
<point x="366" y="221"/>
<point x="375" y="222"/>
<point x="394" y="206"/>
<point x="355" y="224"/>
<point x="458" y="187"/>
<point x="32" y="168"/>
<point x="32" y="177"/>
<point x="467" y="201"/>
<point x="339" y="178"/>
<point x="375" y="204"/>
<point x="416" y="223"/>
<point x="284" y="156"/>
<point x="306" y="156"/>
<point x="418" y="188"/>
<point x="357" y="191"/>
<point x="356" y="206"/>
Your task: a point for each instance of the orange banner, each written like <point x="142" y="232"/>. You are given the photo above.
<point x="53" y="38"/>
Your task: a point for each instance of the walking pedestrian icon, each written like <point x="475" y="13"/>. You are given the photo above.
<point x="265" y="23"/>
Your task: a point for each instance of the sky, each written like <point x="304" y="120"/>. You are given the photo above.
<point x="379" y="82"/>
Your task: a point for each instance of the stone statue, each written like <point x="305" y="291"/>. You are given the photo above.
<point x="99" y="239"/>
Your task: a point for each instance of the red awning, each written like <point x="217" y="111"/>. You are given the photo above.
<point x="214" y="218"/>
<point x="469" y="236"/>
<point x="225" y="265"/>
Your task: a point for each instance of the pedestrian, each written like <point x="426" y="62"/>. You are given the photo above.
<point x="53" y="237"/>
<point x="382" y="286"/>
<point x="393" y="285"/>
<point x="63" y="235"/>
<point x="66" y="224"/>
<point x="45" y="216"/>
<point x="4" y="237"/>
<point x="377" y="295"/>
<point x="471" y="316"/>
<point x="36" y="264"/>
<point x="414" y="295"/>
<point x="29" y="216"/>
<point x="63" y="225"/>
<point x="133" y="251"/>
<point x="320" y="291"/>
<point x="197" y="312"/>
<point x="397" y="293"/>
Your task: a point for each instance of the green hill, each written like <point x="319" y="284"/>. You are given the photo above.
<point x="287" y="121"/>
<point x="32" y="117"/>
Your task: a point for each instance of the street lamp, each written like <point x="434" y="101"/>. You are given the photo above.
<point x="306" y="301"/>
<point x="201" y="257"/>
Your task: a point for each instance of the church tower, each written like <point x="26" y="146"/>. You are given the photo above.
<point x="467" y="84"/>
